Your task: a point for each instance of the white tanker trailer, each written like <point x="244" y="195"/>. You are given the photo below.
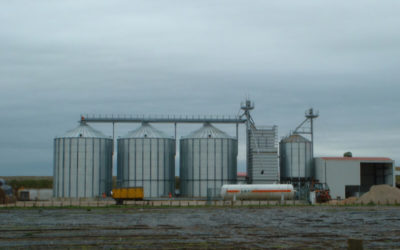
<point x="257" y="192"/>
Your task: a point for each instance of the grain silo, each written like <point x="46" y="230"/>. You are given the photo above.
<point x="146" y="158"/>
<point x="82" y="163"/>
<point x="296" y="163"/>
<point x="208" y="159"/>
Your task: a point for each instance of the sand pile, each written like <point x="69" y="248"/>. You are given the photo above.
<point x="381" y="194"/>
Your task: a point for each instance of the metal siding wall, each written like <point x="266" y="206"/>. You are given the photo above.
<point x="337" y="180"/>
<point x="147" y="163"/>
<point x="296" y="160"/>
<point x="263" y="155"/>
<point x="233" y="168"/>
<point x="210" y="165"/>
<point x="172" y="166"/>
<point x="96" y="170"/>
<point x="120" y="159"/>
<point x="146" y="167"/>
<point x="132" y="164"/>
<point x="203" y="167"/>
<point x="93" y="166"/>
<point x="119" y="170"/>
<point x="67" y="166"/>
<point x="107" y="171"/>
<point x="309" y="161"/>
<point x="101" y="171"/>
<point x="161" y="165"/>
<point x="319" y="173"/>
<point x="123" y="162"/>
<point x="165" y="171"/>
<point x="153" y="167"/>
<point x="107" y="176"/>
<point x="110" y="164"/>
<point x="182" y="171"/>
<point x="281" y="159"/>
<point x="61" y="172"/>
<point x="78" y="163"/>
<point x="389" y="172"/>
<point x="219" y="167"/>
<point x="73" y="168"/>
<point x="57" y="166"/>
<point x="88" y="168"/>
<point x="138" y="162"/>
<point x="56" y="172"/>
<point x="225" y="160"/>
<point x="206" y="164"/>
<point x="194" y="169"/>
<point x="81" y="168"/>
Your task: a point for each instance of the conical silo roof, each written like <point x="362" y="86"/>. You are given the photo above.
<point x="146" y="131"/>
<point x="85" y="131"/>
<point x="294" y="138"/>
<point x="207" y="131"/>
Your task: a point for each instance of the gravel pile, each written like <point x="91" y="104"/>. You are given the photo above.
<point x="381" y="194"/>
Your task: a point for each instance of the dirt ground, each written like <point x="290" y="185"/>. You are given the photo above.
<point x="274" y="227"/>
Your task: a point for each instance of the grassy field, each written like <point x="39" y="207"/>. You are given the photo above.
<point x="24" y="178"/>
<point x="17" y="182"/>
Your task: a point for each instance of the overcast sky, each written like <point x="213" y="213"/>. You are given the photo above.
<point x="59" y="59"/>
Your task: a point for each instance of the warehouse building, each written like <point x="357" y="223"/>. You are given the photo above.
<point x="353" y="176"/>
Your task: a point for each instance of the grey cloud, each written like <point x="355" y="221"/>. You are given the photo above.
<point x="61" y="59"/>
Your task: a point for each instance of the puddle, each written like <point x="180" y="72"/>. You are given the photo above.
<point x="294" y="227"/>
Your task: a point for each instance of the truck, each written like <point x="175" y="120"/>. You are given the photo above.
<point x="321" y="191"/>
<point x="128" y="193"/>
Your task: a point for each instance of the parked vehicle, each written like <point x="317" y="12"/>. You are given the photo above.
<point x="321" y="192"/>
<point x="130" y="193"/>
<point x="257" y="192"/>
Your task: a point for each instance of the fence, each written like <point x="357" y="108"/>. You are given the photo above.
<point x="149" y="203"/>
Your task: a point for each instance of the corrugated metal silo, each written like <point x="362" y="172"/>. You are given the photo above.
<point x="296" y="158"/>
<point x="146" y="158"/>
<point x="208" y="159"/>
<point x="82" y="163"/>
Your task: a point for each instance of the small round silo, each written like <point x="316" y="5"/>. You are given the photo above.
<point x="146" y="158"/>
<point x="296" y="161"/>
<point x="82" y="163"/>
<point x="208" y="159"/>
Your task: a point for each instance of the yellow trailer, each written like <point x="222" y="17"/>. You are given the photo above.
<point x="130" y="193"/>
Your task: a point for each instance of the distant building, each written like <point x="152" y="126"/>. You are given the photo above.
<point x="353" y="176"/>
<point x="35" y="194"/>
